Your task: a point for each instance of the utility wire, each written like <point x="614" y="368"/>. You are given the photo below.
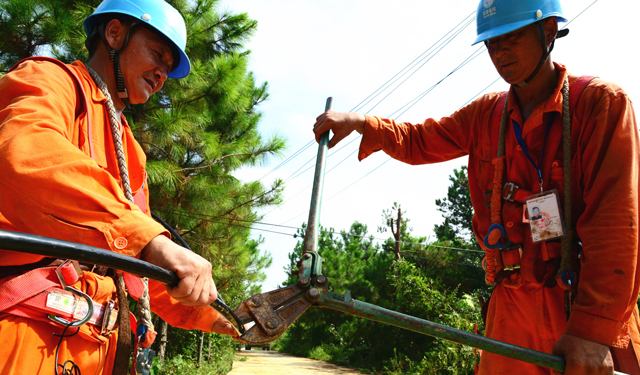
<point x="387" y="84"/>
<point x="444" y="261"/>
<point x="217" y="219"/>
<point x="361" y="105"/>
<point x="414" y="101"/>
<point x="415" y="71"/>
<point x="294" y="155"/>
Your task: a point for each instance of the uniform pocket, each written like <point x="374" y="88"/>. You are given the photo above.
<point x="482" y="170"/>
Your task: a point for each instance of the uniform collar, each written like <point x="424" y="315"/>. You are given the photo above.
<point x="93" y="90"/>
<point x="552" y="104"/>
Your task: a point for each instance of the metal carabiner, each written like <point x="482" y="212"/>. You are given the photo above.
<point x="76" y="323"/>
<point x="497" y="244"/>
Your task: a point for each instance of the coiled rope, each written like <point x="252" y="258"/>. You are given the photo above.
<point x="144" y="308"/>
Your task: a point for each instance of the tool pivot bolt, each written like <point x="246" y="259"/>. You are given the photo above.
<point x="307" y="256"/>
<point x="272" y="323"/>
<point x="257" y="301"/>
<point x="303" y="281"/>
<point x="314" y="293"/>
<point x="321" y="279"/>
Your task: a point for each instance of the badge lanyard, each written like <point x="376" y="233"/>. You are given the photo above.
<point x="518" y="133"/>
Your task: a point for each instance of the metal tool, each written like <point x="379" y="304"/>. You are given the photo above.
<point x="275" y="311"/>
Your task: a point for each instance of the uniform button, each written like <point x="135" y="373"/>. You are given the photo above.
<point x="362" y="156"/>
<point x="554" y="164"/>
<point x="120" y="243"/>
<point x="518" y="148"/>
<point x="510" y="224"/>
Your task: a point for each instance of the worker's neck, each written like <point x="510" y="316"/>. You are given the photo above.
<point x="538" y="90"/>
<point x="101" y="64"/>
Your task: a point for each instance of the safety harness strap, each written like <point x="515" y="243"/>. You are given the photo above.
<point x="508" y="190"/>
<point x="22" y="287"/>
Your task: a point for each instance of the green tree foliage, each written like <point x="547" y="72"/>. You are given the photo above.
<point x="197" y="132"/>
<point x="457" y="210"/>
<point x="354" y="262"/>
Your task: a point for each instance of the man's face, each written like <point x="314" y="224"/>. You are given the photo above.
<point x="145" y="63"/>
<point x="516" y="55"/>
<point x="536" y="211"/>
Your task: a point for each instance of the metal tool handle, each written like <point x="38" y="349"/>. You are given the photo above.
<point x="344" y="303"/>
<point x="313" y="224"/>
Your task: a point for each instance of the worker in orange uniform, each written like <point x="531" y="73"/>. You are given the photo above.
<point x="518" y="156"/>
<point x="71" y="169"/>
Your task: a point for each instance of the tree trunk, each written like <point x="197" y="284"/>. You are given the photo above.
<point x="200" y="349"/>
<point x="162" y="347"/>
<point x="397" y="233"/>
<point x="209" y="350"/>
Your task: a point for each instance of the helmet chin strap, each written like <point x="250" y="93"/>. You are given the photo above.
<point x="114" y="56"/>
<point x="545" y="56"/>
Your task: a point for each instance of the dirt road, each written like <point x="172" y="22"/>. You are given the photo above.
<point x="272" y="363"/>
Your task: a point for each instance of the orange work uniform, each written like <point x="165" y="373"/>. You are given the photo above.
<point x="605" y="164"/>
<point x="59" y="178"/>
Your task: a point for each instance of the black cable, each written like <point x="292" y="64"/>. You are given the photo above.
<point x="170" y="229"/>
<point x="219" y="305"/>
<point x="74" y="369"/>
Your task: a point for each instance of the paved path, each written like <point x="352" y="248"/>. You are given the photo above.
<point x="271" y="363"/>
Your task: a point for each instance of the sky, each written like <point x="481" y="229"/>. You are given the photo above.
<point x="308" y="50"/>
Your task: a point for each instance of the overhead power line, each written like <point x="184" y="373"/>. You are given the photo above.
<point x="447" y="37"/>
<point x="414" y="101"/>
<point x="216" y="219"/>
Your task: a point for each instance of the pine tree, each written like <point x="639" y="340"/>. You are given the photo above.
<point x="457" y="210"/>
<point x="196" y="132"/>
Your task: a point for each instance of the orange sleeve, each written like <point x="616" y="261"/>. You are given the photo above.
<point x="177" y="314"/>
<point x="432" y="141"/>
<point x="49" y="186"/>
<point x="607" y="165"/>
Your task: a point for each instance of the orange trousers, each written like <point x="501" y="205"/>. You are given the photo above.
<point x="533" y="320"/>
<point x="28" y="346"/>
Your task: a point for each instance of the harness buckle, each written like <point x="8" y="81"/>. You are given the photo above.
<point x="508" y="190"/>
<point x="109" y="319"/>
<point x="511" y="258"/>
<point x="60" y="271"/>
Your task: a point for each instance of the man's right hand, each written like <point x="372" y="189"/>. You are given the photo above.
<point x="196" y="286"/>
<point x="341" y="125"/>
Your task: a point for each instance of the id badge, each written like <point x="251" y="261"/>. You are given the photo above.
<point x="545" y="216"/>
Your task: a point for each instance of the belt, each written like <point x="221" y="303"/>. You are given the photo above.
<point x="512" y="193"/>
<point x="509" y="259"/>
<point x="44" y="294"/>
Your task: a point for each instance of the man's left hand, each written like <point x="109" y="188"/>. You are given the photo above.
<point x="583" y="357"/>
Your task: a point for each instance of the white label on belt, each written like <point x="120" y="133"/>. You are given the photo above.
<point x="61" y="301"/>
<point x="81" y="310"/>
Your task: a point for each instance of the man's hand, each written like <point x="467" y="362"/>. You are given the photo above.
<point x="341" y="125"/>
<point x="583" y="357"/>
<point x="196" y="287"/>
<point x="223" y="326"/>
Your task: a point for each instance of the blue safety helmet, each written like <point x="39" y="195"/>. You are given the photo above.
<point x="155" y="14"/>
<point x="499" y="17"/>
